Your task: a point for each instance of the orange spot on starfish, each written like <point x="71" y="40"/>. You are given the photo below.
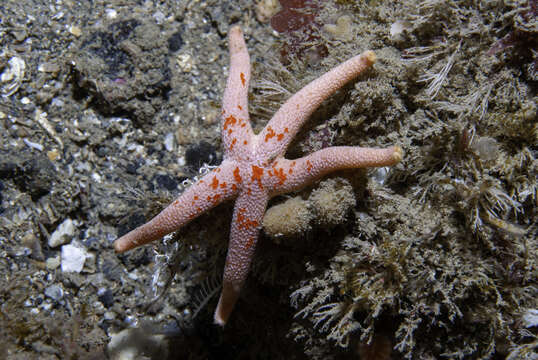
<point x="229" y="121"/>
<point x="243" y="80"/>
<point x="257" y="173"/>
<point x="270" y="133"/>
<point x="279" y="173"/>
<point x="244" y="222"/>
<point x="249" y="243"/>
<point x="215" y="198"/>
<point x="215" y="183"/>
<point x="233" y="143"/>
<point x="237" y="176"/>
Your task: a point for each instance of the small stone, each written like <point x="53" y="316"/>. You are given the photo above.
<point x="52" y="263"/>
<point x="63" y="233"/>
<point x="530" y="318"/>
<point x="73" y="258"/>
<point x="131" y="168"/>
<point x="20" y="34"/>
<point x="53" y="154"/>
<point x="200" y="154"/>
<point x="75" y="30"/>
<point x="175" y="42"/>
<point x="54" y="292"/>
<point x="11" y="78"/>
<point x="106" y="297"/>
<point x="109" y="315"/>
<point x="49" y="67"/>
<point x="169" y="142"/>
<point x="167" y="182"/>
<point x="159" y="17"/>
<point x="185" y="62"/>
<point x="111" y="14"/>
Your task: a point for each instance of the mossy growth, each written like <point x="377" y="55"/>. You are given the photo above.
<point x="442" y="260"/>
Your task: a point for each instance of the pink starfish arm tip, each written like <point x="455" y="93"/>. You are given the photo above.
<point x="279" y="132"/>
<point x="211" y="190"/>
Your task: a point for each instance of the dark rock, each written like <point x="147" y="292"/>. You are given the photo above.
<point x="167" y="182"/>
<point x="106" y="298"/>
<point x="199" y="154"/>
<point x="102" y="151"/>
<point x="32" y="173"/>
<point x="132" y="167"/>
<point x="123" y="68"/>
<point x="175" y="42"/>
<point x="137" y="257"/>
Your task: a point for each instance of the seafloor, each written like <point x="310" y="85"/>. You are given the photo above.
<point x="109" y="108"/>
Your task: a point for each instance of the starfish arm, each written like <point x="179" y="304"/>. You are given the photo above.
<point x="246" y="224"/>
<point x="212" y="189"/>
<point x="292" y="175"/>
<point x="279" y="132"/>
<point x="236" y="130"/>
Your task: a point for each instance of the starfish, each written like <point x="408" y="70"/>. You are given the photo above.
<point x="254" y="168"/>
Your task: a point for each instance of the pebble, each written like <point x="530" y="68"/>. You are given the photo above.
<point x="159" y="17"/>
<point x="111" y="14"/>
<point x="109" y="315"/>
<point x="75" y="30"/>
<point x="53" y="154"/>
<point x="169" y="142"/>
<point x="73" y="258"/>
<point x="63" y="233"/>
<point x="52" y="263"/>
<point x="106" y="297"/>
<point x="54" y="292"/>
<point x="530" y="318"/>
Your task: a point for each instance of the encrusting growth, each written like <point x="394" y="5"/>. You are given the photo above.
<point x="254" y="169"/>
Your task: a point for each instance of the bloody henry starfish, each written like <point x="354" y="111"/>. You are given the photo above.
<point x="254" y="168"/>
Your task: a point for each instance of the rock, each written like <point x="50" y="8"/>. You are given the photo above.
<point x="73" y="258"/>
<point x="52" y="263"/>
<point x="54" y="292"/>
<point x="63" y="233"/>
